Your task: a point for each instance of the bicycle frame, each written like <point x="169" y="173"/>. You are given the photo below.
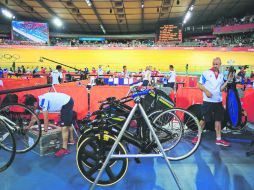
<point x="8" y="122"/>
<point x="121" y="134"/>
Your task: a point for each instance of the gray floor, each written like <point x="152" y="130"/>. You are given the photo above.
<point x="211" y="167"/>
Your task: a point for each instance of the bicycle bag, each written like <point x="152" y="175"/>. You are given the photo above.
<point x="157" y="100"/>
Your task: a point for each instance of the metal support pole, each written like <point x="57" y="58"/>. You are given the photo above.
<point x="74" y="129"/>
<point x="114" y="146"/>
<point x="159" y="145"/>
<point x="162" y="154"/>
<point x="89" y="101"/>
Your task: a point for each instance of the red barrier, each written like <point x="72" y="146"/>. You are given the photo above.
<point x="100" y="93"/>
<point x="187" y="96"/>
<point x="78" y="93"/>
<point x="189" y="81"/>
<point x="193" y="80"/>
<point x="80" y="97"/>
<point x="19" y="83"/>
<point x="248" y="103"/>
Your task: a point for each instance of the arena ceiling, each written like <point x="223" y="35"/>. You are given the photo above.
<point x="124" y="16"/>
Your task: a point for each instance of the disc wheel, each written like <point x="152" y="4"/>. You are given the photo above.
<point x="94" y="150"/>
<point x="181" y="145"/>
<point x="7" y="146"/>
<point x="18" y="117"/>
<point x="84" y="135"/>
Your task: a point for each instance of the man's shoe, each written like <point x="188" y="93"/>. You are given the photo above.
<point x="62" y="152"/>
<point x="194" y="140"/>
<point x="222" y="143"/>
<point x="71" y="142"/>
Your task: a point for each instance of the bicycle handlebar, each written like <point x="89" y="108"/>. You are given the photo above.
<point x="136" y="84"/>
<point x="141" y="93"/>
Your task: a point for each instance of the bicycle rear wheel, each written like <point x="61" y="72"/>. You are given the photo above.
<point x="18" y="118"/>
<point x="7" y="146"/>
<point x="168" y="128"/>
<point x="183" y="147"/>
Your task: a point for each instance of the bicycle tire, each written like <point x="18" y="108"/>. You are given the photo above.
<point x="20" y="116"/>
<point x="88" y="172"/>
<point x="168" y="129"/>
<point x="10" y="159"/>
<point x="181" y="149"/>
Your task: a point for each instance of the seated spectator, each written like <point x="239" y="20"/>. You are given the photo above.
<point x="1" y="73"/>
<point x="43" y="70"/>
<point x="241" y="74"/>
<point x="251" y="74"/>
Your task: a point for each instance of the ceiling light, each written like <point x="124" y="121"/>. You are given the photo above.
<point x="188" y="14"/>
<point x="57" y="22"/>
<point x="8" y="14"/>
<point x="103" y="29"/>
<point x="187" y="17"/>
<point x="88" y="2"/>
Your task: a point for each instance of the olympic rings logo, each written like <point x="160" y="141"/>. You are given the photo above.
<point x="9" y="57"/>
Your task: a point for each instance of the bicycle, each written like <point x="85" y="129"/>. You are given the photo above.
<point x="7" y="141"/>
<point x="97" y="141"/>
<point x="17" y="117"/>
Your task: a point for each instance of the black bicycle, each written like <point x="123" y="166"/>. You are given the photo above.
<point x="16" y="136"/>
<point x="7" y="144"/>
<point x="171" y="127"/>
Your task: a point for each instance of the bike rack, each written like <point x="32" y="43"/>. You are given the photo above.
<point x="162" y="154"/>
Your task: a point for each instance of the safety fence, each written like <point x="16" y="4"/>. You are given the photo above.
<point x="185" y="96"/>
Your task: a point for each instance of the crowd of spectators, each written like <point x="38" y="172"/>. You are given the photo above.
<point x="223" y="21"/>
<point x="106" y="43"/>
<point x="13" y="42"/>
<point x="229" y="40"/>
<point x="245" y="39"/>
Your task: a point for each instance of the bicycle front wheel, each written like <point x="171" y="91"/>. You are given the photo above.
<point x="7" y="146"/>
<point x="93" y="152"/>
<point x="25" y="125"/>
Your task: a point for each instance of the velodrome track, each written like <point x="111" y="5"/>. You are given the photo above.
<point x="198" y="58"/>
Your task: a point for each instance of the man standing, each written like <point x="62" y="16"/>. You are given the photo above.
<point x="171" y="78"/>
<point x="125" y="73"/>
<point x="13" y="66"/>
<point x="147" y="76"/>
<point x="212" y="84"/>
<point x="57" y="75"/>
<point x="169" y="81"/>
<point x="186" y="68"/>
<point x="100" y="75"/>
